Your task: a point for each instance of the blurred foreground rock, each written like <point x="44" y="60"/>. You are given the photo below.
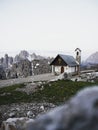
<point x="79" y="113"/>
<point x="16" y="123"/>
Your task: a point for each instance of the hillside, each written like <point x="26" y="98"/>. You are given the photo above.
<point x="16" y="102"/>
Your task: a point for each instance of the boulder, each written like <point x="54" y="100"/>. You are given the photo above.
<point x="79" y="113"/>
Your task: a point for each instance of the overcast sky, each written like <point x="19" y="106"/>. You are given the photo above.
<point x="49" y="25"/>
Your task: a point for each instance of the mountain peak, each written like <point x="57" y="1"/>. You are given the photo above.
<point x="93" y="58"/>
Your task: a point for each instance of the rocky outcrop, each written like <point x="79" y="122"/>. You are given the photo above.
<point x="25" y="64"/>
<point x="63" y="76"/>
<point x="24" y="54"/>
<point x="24" y="68"/>
<point x="19" y="69"/>
<point x="41" y="66"/>
<point x="36" y="57"/>
<point x="6" y="61"/>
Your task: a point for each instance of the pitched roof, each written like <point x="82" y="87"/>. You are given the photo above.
<point x="77" y="49"/>
<point x="70" y="60"/>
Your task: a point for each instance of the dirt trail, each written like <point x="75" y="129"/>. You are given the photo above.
<point x="41" y="77"/>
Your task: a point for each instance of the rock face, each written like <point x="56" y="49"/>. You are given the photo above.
<point x="24" y="54"/>
<point x="21" y="56"/>
<point x="6" y="61"/>
<point x="20" y="69"/>
<point x="41" y="66"/>
<point x="2" y="73"/>
<point x="24" y="64"/>
<point x="36" y="57"/>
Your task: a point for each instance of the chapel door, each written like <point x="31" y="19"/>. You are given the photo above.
<point x="62" y="69"/>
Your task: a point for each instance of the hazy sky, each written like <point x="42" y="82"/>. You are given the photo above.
<point x="49" y="25"/>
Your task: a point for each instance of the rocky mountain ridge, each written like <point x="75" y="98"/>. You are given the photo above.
<point x="23" y="64"/>
<point x="7" y="61"/>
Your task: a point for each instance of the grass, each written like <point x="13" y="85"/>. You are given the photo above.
<point x="9" y="94"/>
<point x="54" y="92"/>
<point x="11" y="88"/>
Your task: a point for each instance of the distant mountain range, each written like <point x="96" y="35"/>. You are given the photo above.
<point x="23" y="54"/>
<point x="7" y="61"/>
<point x="26" y="55"/>
<point x="91" y="60"/>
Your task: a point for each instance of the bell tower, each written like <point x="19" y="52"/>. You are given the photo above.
<point x="78" y="58"/>
<point x="78" y="55"/>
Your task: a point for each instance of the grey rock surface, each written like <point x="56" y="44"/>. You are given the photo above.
<point x="41" y="66"/>
<point x="2" y="73"/>
<point x="25" y="64"/>
<point x="30" y="110"/>
<point x="19" y="69"/>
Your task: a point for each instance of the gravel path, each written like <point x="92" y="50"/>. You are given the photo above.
<point x="42" y="77"/>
